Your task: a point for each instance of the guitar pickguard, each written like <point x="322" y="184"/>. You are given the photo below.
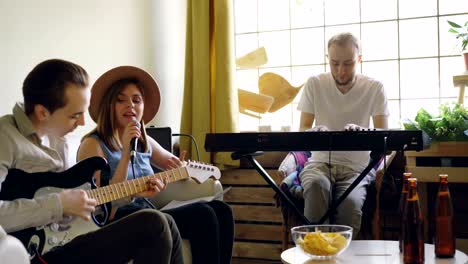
<point x="60" y="233"/>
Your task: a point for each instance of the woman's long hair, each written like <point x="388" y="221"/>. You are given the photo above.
<point x="106" y="127"/>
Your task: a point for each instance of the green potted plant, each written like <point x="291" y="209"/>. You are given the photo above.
<point x="450" y="125"/>
<point x="448" y="151"/>
<point x="461" y="33"/>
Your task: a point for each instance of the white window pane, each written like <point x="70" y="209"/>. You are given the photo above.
<point x="296" y="118"/>
<point x="277" y="46"/>
<point x="284" y="72"/>
<point x="448" y="68"/>
<point x="300" y="74"/>
<point x="273" y="14"/>
<point x="372" y="10"/>
<point x="387" y="73"/>
<point x="450" y="100"/>
<point x="449" y="44"/>
<point x="279" y="118"/>
<point x="419" y="78"/>
<point x="453" y="6"/>
<point x="380" y="40"/>
<point x="307" y="46"/>
<point x="418" y="38"/>
<point x="409" y="108"/>
<point x="248" y="123"/>
<point x="341" y="11"/>
<point x="394" y="120"/>
<point x="306" y="13"/>
<point x="331" y="31"/>
<point x="246" y="43"/>
<point x="417" y="8"/>
<point x="247" y="80"/>
<point x="245" y="16"/>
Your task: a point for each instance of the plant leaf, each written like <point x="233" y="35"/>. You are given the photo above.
<point x="453" y="24"/>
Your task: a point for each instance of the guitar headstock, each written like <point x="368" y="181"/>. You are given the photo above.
<point x="200" y="172"/>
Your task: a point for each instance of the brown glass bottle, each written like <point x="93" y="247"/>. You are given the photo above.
<point x="413" y="227"/>
<point x="444" y="237"/>
<point x="401" y="209"/>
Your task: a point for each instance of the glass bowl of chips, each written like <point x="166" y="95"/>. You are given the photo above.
<point x="322" y="241"/>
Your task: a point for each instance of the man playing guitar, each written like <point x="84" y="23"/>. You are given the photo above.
<point x="32" y="140"/>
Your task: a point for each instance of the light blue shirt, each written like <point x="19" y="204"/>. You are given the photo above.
<point x="142" y="162"/>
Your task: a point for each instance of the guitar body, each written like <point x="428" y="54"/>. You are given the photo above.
<point x="60" y="233"/>
<point x="20" y="184"/>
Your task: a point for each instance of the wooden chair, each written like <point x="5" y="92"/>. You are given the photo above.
<point x="370" y="224"/>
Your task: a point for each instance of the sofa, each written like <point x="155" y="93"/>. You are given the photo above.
<point x="187" y="190"/>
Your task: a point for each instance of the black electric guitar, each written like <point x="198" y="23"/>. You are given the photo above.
<point x="20" y="184"/>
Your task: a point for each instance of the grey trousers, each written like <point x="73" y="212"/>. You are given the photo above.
<point x="318" y="179"/>
<point x="144" y="236"/>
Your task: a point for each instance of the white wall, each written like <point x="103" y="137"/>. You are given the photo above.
<point x="169" y="22"/>
<point x="98" y="35"/>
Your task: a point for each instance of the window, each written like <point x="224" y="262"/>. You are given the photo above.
<point x="405" y="44"/>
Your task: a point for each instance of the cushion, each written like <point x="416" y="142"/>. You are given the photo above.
<point x="290" y="169"/>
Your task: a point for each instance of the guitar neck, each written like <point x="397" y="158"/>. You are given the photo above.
<point x="127" y="188"/>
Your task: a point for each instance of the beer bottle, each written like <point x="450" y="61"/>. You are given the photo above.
<point x="401" y="209"/>
<point x="444" y="238"/>
<point x="413" y="227"/>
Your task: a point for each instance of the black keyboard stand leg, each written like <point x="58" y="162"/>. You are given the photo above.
<point x="250" y="157"/>
<point x="375" y="157"/>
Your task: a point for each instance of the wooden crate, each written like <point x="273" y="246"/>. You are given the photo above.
<point x="428" y="164"/>
<point x="258" y="220"/>
<point x="443" y="151"/>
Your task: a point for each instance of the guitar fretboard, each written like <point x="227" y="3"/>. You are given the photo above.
<point x="130" y="187"/>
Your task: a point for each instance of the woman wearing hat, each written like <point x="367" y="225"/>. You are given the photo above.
<point x="122" y="100"/>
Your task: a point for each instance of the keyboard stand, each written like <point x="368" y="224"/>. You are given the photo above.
<point x="375" y="157"/>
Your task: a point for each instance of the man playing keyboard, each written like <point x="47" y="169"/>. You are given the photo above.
<point x="339" y="100"/>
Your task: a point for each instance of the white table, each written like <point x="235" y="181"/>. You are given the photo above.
<point x="371" y="252"/>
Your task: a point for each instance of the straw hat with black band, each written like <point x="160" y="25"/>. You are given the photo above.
<point x="151" y="94"/>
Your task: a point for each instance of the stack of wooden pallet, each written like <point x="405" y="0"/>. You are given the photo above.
<point x="258" y="220"/>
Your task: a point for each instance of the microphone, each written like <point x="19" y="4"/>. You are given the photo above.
<point x="134" y="143"/>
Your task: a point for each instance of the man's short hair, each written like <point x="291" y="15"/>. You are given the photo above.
<point x="342" y="39"/>
<point x="45" y="84"/>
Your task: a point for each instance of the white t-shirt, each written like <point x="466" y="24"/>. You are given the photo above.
<point x="334" y="109"/>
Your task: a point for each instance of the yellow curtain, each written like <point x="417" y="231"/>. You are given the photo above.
<point x="210" y="103"/>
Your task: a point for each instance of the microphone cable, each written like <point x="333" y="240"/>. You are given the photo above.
<point x="132" y="164"/>
<point x="193" y="140"/>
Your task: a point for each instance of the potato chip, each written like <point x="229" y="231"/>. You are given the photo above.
<point x="322" y="244"/>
